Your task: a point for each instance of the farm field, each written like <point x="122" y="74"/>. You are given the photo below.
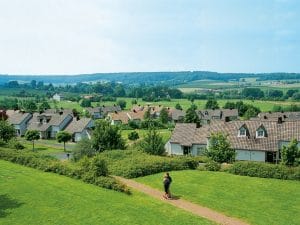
<point x="256" y="200"/>
<point x="29" y="196"/>
<point x="265" y="106"/>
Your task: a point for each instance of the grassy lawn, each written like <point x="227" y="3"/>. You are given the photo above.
<point x="256" y="200"/>
<point x="29" y="196"/>
<point x="165" y="133"/>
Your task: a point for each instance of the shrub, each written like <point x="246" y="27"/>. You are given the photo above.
<point x="212" y="166"/>
<point x="133" y="136"/>
<point x="133" y="163"/>
<point x="15" y="144"/>
<point x="265" y="170"/>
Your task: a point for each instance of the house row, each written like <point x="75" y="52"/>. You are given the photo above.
<point x="253" y="140"/>
<point x="49" y="123"/>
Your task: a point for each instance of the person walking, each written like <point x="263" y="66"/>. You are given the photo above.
<point x="167" y="182"/>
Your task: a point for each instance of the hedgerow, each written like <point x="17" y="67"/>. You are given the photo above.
<point x="265" y="170"/>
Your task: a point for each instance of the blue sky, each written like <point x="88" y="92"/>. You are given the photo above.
<point x="87" y="36"/>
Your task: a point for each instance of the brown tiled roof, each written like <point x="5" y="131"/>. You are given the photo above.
<point x="17" y="117"/>
<point x="119" y="116"/>
<point x="176" y="114"/>
<point x="108" y="109"/>
<point x="276" y="132"/>
<point x="276" y="115"/>
<point x="136" y="115"/>
<point x="207" y="114"/>
<point x="92" y="110"/>
<point x="184" y="134"/>
<point x="77" y="126"/>
<point x="55" y="120"/>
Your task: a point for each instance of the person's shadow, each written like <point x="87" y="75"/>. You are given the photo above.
<point x="175" y="197"/>
<point x="6" y="203"/>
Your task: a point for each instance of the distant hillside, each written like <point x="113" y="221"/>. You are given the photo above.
<point x="170" y="78"/>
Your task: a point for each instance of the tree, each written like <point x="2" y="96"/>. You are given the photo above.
<point x="29" y="106"/>
<point x="153" y="143"/>
<point x="251" y="112"/>
<point x="86" y="103"/>
<point x="164" y="115"/>
<point x="147" y="114"/>
<point x="253" y="93"/>
<point x="219" y="149"/>
<point x="83" y="148"/>
<point x="33" y="84"/>
<point x="7" y="131"/>
<point x="291" y="92"/>
<point x="32" y="135"/>
<point x="3" y="115"/>
<point x="178" y="106"/>
<point x="45" y="105"/>
<point x="122" y="103"/>
<point x="133" y="136"/>
<point x="212" y="104"/>
<point x="290" y="155"/>
<point x="63" y="136"/>
<point x="229" y="105"/>
<point x="107" y="136"/>
<point x="191" y="115"/>
<point x="275" y="93"/>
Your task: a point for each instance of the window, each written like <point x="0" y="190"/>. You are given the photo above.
<point x="242" y="132"/>
<point x="260" y="133"/>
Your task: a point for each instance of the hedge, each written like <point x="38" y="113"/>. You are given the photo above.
<point x="133" y="163"/>
<point x="49" y="164"/>
<point x="265" y="170"/>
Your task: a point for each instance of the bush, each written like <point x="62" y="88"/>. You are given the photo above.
<point x="265" y="170"/>
<point x="133" y="163"/>
<point x="15" y="144"/>
<point x="133" y="136"/>
<point x="212" y="166"/>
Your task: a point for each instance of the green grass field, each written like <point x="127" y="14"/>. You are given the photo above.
<point x="165" y="133"/>
<point x="29" y="196"/>
<point x="256" y="200"/>
<point x="265" y="106"/>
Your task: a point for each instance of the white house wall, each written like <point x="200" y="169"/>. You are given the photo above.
<point x="176" y="149"/>
<point x="245" y="155"/>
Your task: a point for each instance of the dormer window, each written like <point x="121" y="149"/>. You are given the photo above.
<point x="242" y="132"/>
<point x="261" y="132"/>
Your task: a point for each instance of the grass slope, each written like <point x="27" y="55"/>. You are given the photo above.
<point x="259" y="201"/>
<point x="28" y="196"/>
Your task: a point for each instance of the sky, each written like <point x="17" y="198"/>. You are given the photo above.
<point x="97" y="36"/>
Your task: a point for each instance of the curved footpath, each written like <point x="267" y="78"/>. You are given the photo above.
<point x="183" y="204"/>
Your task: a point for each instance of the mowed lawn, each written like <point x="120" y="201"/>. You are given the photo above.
<point x="29" y="196"/>
<point x="256" y="200"/>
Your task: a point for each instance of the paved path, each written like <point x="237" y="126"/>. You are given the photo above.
<point x="183" y="204"/>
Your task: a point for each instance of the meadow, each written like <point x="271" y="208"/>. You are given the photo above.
<point x="265" y="106"/>
<point x="29" y="196"/>
<point x="256" y="200"/>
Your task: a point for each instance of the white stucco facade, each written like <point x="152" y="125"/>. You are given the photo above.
<point x="246" y="155"/>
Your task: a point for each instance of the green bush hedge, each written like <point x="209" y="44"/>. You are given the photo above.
<point x="134" y="163"/>
<point x="265" y="170"/>
<point x="49" y="164"/>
